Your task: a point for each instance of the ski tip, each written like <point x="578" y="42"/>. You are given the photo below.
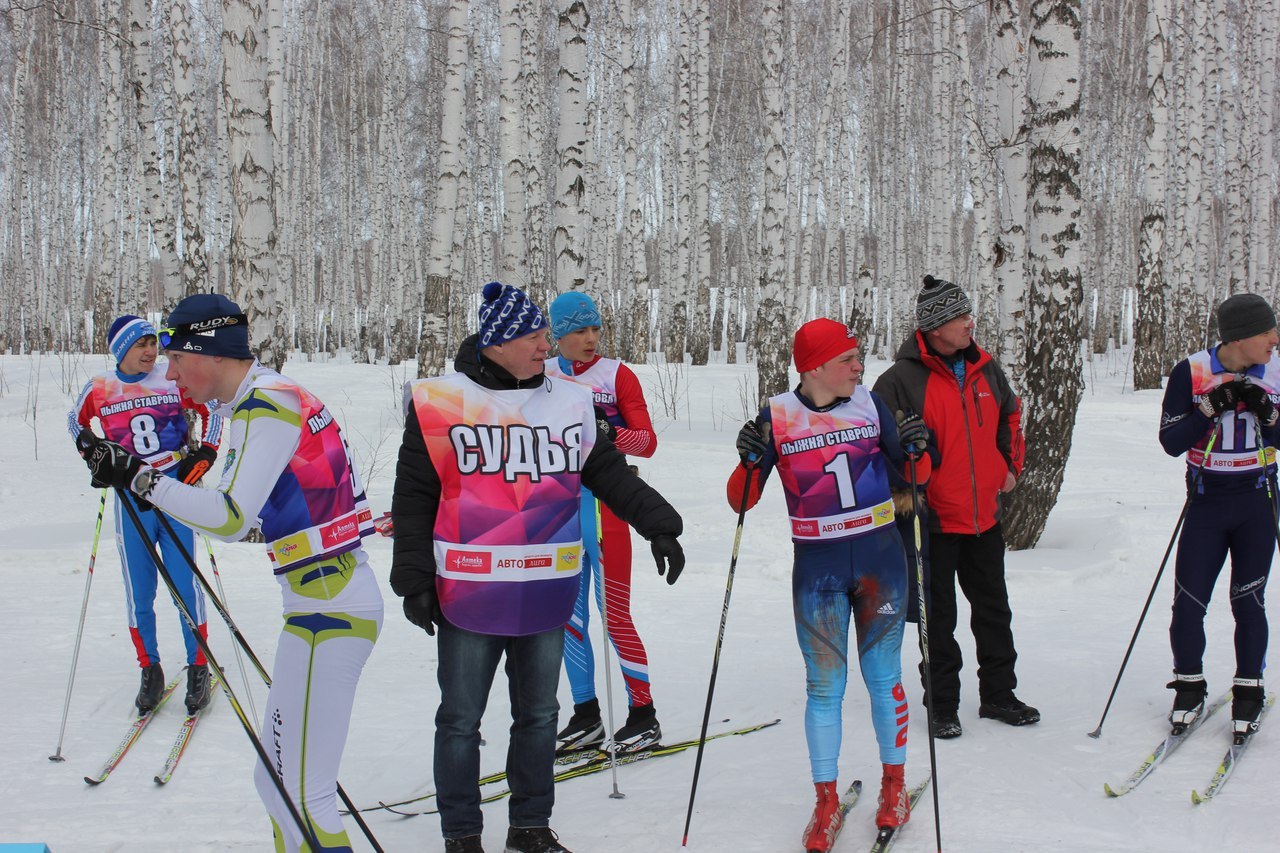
<point x="857" y="786"/>
<point x="160" y="781"/>
<point x="92" y="781"/>
<point x="1196" y="799"/>
<point x="1110" y="792"/>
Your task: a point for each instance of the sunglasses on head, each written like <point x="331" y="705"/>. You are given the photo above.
<point x="199" y="327"/>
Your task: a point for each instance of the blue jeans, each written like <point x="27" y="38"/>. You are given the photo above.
<point x="468" y="662"/>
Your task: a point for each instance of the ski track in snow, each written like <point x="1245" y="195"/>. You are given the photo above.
<point x="1076" y="598"/>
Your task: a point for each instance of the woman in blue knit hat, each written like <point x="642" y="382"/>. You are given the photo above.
<point x="623" y="416"/>
<point x="288" y="472"/>
<point x="137" y="407"/>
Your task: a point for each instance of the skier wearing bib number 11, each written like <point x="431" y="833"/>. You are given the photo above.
<point x="835" y="446"/>
<point x="141" y="410"/>
<point x="1229" y="389"/>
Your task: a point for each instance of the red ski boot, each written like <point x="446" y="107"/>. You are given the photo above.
<point x="820" y="834"/>
<point x="894" y="809"/>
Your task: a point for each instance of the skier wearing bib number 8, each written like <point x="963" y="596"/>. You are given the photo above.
<point x="1226" y="394"/>
<point x="138" y="408"/>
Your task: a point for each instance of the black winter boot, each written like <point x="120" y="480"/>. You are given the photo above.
<point x="534" y="839"/>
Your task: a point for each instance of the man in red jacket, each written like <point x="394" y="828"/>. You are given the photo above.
<point x="976" y="420"/>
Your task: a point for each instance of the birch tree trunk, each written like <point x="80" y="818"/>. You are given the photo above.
<point x="635" y="346"/>
<point x="700" y="333"/>
<point x="433" y="342"/>
<point x="110" y="81"/>
<point x="252" y="151"/>
<point x="1263" y="21"/>
<point x="513" y="266"/>
<point x="194" y="270"/>
<point x="770" y="338"/>
<point x="571" y="148"/>
<point x="155" y="209"/>
<point x="1148" y="335"/>
<point x="1010" y="81"/>
<point x="1052" y="382"/>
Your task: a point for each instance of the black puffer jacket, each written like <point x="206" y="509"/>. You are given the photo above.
<point x="417" y="487"/>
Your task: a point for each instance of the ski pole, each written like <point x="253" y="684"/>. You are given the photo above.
<point x="244" y="676"/>
<point x="1177" y="528"/>
<point x="84" y="608"/>
<point x="221" y="607"/>
<point x="715" y="661"/>
<point x="922" y="627"/>
<point x="603" y="590"/>
<point x="217" y="670"/>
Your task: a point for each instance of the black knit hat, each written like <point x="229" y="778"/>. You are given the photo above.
<point x="940" y="302"/>
<point x="1243" y="316"/>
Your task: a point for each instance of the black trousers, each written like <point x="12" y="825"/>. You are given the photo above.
<point x="977" y="563"/>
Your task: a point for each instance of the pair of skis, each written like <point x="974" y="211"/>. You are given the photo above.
<point x="574" y="764"/>
<point x="140" y="724"/>
<point x="1171" y="743"/>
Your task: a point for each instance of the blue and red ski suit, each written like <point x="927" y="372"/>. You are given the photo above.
<point x="835" y="463"/>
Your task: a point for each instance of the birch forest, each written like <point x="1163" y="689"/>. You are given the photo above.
<point x="1097" y="174"/>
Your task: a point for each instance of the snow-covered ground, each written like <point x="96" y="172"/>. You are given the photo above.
<point x="1076" y="598"/>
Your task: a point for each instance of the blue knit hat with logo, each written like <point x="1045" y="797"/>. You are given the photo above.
<point x="572" y="311"/>
<point x="208" y="324"/>
<point x="125" y="332"/>
<point x="507" y="313"/>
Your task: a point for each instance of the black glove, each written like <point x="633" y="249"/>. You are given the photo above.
<point x="603" y="427"/>
<point x="196" y="463"/>
<point x="85" y="442"/>
<point x="751" y="444"/>
<point x="669" y="555"/>
<point x="1220" y="399"/>
<point x="109" y="463"/>
<point x="423" y="609"/>
<point x="913" y="435"/>
<point x="1256" y="399"/>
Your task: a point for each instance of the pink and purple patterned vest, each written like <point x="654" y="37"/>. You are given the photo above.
<point x="831" y="467"/>
<point x="507" y="536"/>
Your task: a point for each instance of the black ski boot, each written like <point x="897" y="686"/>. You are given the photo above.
<point x="1246" y="707"/>
<point x="151" y="689"/>
<point x="585" y="729"/>
<point x="640" y="732"/>
<point x="197" y="687"/>
<point x="1188" y="699"/>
